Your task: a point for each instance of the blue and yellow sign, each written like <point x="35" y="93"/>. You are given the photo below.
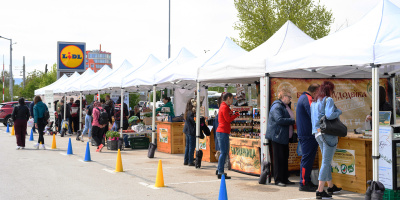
<point x="71" y="56"/>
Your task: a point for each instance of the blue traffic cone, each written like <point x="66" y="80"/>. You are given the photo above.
<point x="69" y="151"/>
<point x="31" y="137"/>
<point x="223" y="195"/>
<point x="8" y="128"/>
<point x="87" y="155"/>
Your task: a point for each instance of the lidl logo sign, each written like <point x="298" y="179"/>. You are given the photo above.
<point x="71" y="56"/>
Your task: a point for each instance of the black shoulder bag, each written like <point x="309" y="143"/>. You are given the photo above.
<point x="332" y="127"/>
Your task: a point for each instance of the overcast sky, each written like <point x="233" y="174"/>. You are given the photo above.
<point x="129" y="29"/>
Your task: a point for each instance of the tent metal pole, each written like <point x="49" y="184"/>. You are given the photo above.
<point x="198" y="116"/>
<point x="375" y="122"/>
<point x="80" y="111"/>
<point x="394" y="102"/>
<point x="153" y="119"/>
<point x="249" y="94"/>
<point x="65" y="106"/>
<point x="121" y="121"/>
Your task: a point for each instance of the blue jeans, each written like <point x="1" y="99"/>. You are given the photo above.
<point x="327" y="144"/>
<point x="88" y="126"/>
<point x="223" y="141"/>
<point x="189" y="148"/>
<point x="69" y="125"/>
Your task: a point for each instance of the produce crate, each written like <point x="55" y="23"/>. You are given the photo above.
<point x="391" y="194"/>
<point x="139" y="142"/>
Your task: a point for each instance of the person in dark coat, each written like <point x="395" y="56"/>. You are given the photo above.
<point x="67" y="116"/>
<point x="383" y="106"/>
<point x="307" y="142"/>
<point x="40" y="122"/>
<point x="190" y="132"/>
<point x="31" y="115"/>
<point x="279" y="130"/>
<point x="20" y="116"/>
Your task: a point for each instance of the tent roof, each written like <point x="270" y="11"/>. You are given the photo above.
<point x="250" y="66"/>
<point x="78" y="84"/>
<point x="374" y="39"/>
<point x="42" y="90"/>
<point x="61" y="87"/>
<point x="150" y="62"/>
<point x="114" y="80"/>
<point x="91" y="85"/>
<point x="146" y="77"/>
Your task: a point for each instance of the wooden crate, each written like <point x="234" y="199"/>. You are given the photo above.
<point x="176" y="138"/>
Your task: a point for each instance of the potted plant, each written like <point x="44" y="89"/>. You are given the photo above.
<point x="112" y="140"/>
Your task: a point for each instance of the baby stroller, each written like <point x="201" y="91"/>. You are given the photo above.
<point x="50" y="128"/>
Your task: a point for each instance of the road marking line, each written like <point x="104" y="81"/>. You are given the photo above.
<point x="109" y="171"/>
<point x="157" y="168"/>
<point x="64" y="154"/>
<point x="149" y="186"/>
<point x="195" y="182"/>
<point x="346" y="195"/>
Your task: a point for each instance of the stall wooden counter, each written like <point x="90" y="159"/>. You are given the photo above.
<point x="352" y="163"/>
<point x="170" y="137"/>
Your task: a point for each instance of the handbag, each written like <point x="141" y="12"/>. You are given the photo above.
<point x="30" y="122"/>
<point x="332" y="127"/>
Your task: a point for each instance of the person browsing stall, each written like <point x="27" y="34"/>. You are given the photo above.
<point x="167" y="104"/>
<point x="20" y="116"/>
<point x="327" y="143"/>
<point x="307" y="142"/>
<point x="225" y="117"/>
<point x="190" y="131"/>
<point x="279" y="130"/>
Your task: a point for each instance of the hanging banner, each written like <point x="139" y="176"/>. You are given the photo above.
<point x="240" y="95"/>
<point x="344" y="162"/>
<point x="163" y="135"/>
<point x="351" y="96"/>
<point x="244" y="155"/>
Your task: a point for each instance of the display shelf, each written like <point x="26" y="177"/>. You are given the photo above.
<point x="256" y="120"/>
<point x="243" y="119"/>
<point x="240" y="127"/>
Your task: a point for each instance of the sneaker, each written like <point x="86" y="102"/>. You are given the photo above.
<point x="280" y="184"/>
<point x="226" y="176"/>
<point x="308" y="187"/>
<point x="289" y="183"/>
<point x="81" y="138"/>
<point x="101" y="147"/>
<point x="334" y="190"/>
<point x="22" y="147"/>
<point x="43" y="147"/>
<point x="323" y="195"/>
<point x="185" y="163"/>
<point x="36" y="146"/>
<point x="18" y="148"/>
<point x="192" y="164"/>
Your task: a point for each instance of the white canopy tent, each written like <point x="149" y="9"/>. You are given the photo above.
<point x="42" y="90"/>
<point x="92" y="84"/>
<point x="144" y="78"/>
<point x="369" y="48"/>
<point x="249" y="67"/>
<point x="77" y="85"/>
<point x="114" y="80"/>
<point x="61" y="88"/>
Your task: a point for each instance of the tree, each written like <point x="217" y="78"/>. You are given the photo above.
<point x="35" y="80"/>
<point x="260" y="19"/>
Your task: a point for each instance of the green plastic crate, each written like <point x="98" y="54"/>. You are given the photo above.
<point x="391" y="194"/>
<point x="139" y="142"/>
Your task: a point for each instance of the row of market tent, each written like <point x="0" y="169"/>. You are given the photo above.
<point x="368" y="49"/>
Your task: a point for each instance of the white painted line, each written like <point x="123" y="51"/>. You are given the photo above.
<point x="149" y="186"/>
<point x="345" y="195"/>
<point x="109" y="171"/>
<point x="194" y="182"/>
<point x="157" y="168"/>
<point x="64" y="154"/>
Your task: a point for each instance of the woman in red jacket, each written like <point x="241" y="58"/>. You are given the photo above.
<point x="225" y="117"/>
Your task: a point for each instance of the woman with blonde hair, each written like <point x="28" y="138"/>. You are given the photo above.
<point x="279" y="130"/>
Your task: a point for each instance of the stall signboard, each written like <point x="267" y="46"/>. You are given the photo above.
<point x="70" y="57"/>
<point x="115" y="94"/>
<point x="384" y="117"/>
<point x="352" y="96"/>
<point x="49" y="100"/>
<point x="163" y="132"/>
<point x="385" y="160"/>
<point x="344" y="162"/>
<point x="203" y="143"/>
<point x="244" y="155"/>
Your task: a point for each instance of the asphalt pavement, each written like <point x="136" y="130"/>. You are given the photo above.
<point x="51" y="174"/>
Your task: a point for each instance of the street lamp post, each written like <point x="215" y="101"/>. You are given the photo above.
<point x="11" y="75"/>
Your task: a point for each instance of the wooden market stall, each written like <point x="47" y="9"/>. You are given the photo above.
<point x="170" y="137"/>
<point x="352" y="163"/>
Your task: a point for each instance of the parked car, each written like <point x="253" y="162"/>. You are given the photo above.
<point x="6" y="110"/>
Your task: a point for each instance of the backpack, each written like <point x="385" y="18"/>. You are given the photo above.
<point x="117" y="112"/>
<point x="103" y="117"/>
